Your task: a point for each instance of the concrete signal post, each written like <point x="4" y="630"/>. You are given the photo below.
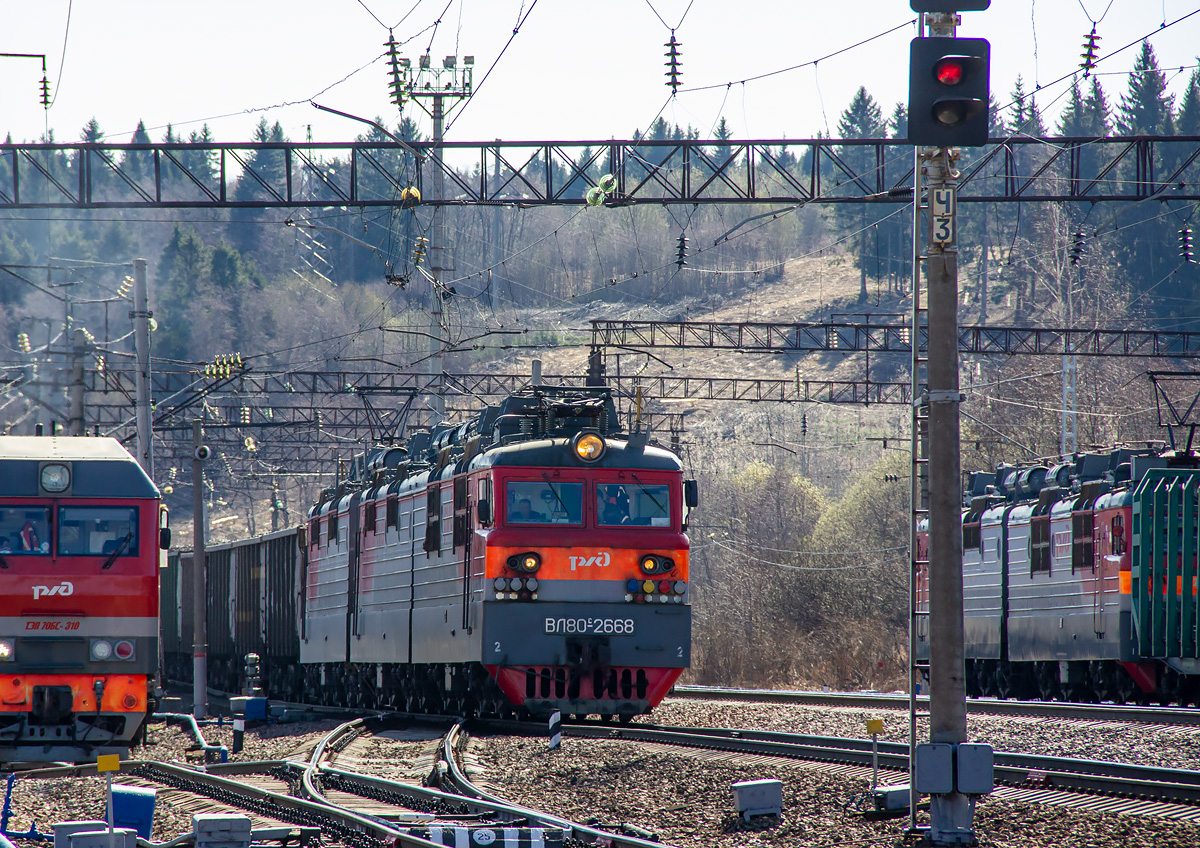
<point x="948" y="108"/>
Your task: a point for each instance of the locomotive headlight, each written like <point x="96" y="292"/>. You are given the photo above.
<point x="8" y="649"/>
<point x="55" y="477"/>
<point x="649" y="565"/>
<point x="526" y="563"/>
<point x="589" y="446"/>
<point x="101" y="649"/>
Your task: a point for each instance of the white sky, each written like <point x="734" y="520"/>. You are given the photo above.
<point x="576" y="71"/>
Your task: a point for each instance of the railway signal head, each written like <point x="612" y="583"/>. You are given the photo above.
<point x="948" y="91"/>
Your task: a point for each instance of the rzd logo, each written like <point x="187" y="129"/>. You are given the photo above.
<point x="64" y="588"/>
<point x="601" y="559"/>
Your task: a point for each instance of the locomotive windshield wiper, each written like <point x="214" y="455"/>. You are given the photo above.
<point x="554" y="491"/>
<point x="650" y="495"/>
<point x="120" y="549"/>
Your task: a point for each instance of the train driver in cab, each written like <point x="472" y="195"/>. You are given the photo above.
<point x="616" y="506"/>
<point x="525" y="512"/>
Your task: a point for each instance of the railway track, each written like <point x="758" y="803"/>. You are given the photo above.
<point x="306" y="800"/>
<point x="1164" y="716"/>
<point x="1107" y="786"/>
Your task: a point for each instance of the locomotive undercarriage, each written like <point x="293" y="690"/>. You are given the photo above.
<point x="456" y="688"/>
<point x="1083" y="681"/>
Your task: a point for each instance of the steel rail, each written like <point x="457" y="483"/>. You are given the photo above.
<point x="457" y="737"/>
<point x="1176" y="716"/>
<point x="1179" y="786"/>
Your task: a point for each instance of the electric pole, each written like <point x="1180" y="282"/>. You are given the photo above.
<point x="141" y="335"/>
<point x="199" y="578"/>
<point x="449" y="82"/>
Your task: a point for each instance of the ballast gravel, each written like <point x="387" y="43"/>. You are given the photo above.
<point x="687" y="800"/>
<point x="1120" y="742"/>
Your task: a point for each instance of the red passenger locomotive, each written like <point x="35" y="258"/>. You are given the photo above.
<point x="79" y="558"/>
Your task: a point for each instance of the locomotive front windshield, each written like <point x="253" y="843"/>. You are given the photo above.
<point x="25" y="530"/>
<point x="544" y="502"/>
<point x="97" y="530"/>
<point x="633" y="504"/>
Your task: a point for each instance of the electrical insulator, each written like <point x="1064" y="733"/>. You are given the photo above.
<point x="1077" y="246"/>
<point x="804" y="426"/>
<point x="45" y="95"/>
<point x="126" y="287"/>
<point x="23" y="343"/>
<point x="1185" y="244"/>
<point x="673" y="63"/>
<point x="245" y="415"/>
<point x="1089" y="52"/>
<point x="681" y="252"/>
<point x="395" y="66"/>
<point x="419" y="247"/>
<point x="100" y="364"/>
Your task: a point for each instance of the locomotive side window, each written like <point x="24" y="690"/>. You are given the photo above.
<point x="25" y="530"/>
<point x="97" y="530"/>
<point x="630" y="504"/>
<point x="543" y="502"/>
<point x="1083" y="525"/>
<point x="393" y="511"/>
<point x="1118" y="535"/>
<point x="1039" y="544"/>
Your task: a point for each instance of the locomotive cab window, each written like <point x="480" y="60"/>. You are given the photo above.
<point x="25" y="530"/>
<point x="98" y="531"/>
<point x="633" y="504"/>
<point x="543" y="502"/>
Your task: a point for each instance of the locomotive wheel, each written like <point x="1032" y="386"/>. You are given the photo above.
<point x="1047" y="681"/>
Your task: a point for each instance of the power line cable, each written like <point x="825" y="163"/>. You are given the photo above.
<point x="492" y="67"/>
<point x="63" y="62"/>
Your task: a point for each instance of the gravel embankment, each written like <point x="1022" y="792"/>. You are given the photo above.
<point x="687" y="801"/>
<point x="1172" y="747"/>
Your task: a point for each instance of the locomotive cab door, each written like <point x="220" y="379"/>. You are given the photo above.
<point x="353" y="568"/>
<point x="463" y="531"/>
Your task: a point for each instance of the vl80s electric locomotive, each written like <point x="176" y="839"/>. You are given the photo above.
<point x="533" y="558"/>
<point x="1080" y="579"/>
<point x="81" y="531"/>
<point x="529" y="558"/>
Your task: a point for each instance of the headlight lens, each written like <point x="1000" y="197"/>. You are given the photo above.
<point x="101" y="649"/>
<point x="649" y="565"/>
<point x="8" y="650"/>
<point x="124" y="649"/>
<point x="589" y="447"/>
<point x="56" y="478"/>
<point x="526" y="563"/>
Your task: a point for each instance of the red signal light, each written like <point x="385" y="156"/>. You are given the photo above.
<point x="949" y="71"/>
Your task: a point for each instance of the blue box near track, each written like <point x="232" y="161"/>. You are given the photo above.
<point x="133" y="807"/>
<point x="251" y="709"/>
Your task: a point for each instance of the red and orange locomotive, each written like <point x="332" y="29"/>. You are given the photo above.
<point x="530" y="558"/>
<point x="79" y="558"/>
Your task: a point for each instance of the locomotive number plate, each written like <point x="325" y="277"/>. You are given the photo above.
<point x="589" y="626"/>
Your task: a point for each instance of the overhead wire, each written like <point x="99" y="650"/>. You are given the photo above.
<point x="63" y="61"/>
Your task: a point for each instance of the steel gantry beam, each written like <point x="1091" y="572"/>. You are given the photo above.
<point x="293" y="175"/>
<point x="890" y="337"/>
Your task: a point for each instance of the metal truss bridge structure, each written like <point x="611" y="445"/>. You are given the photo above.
<point x="891" y="337"/>
<point x="293" y="175"/>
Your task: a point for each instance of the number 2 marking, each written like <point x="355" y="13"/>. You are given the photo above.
<point x="497" y="648"/>
<point x="679" y="651"/>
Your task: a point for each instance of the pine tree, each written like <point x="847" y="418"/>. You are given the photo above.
<point x="898" y="123"/>
<point x="722" y="152"/>
<point x="139" y="164"/>
<point x="1146" y="107"/>
<point x="267" y="165"/>
<point x="1099" y="112"/>
<point x="862" y="119"/>
<point x="1188" y="120"/>
<point x="1074" y="118"/>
